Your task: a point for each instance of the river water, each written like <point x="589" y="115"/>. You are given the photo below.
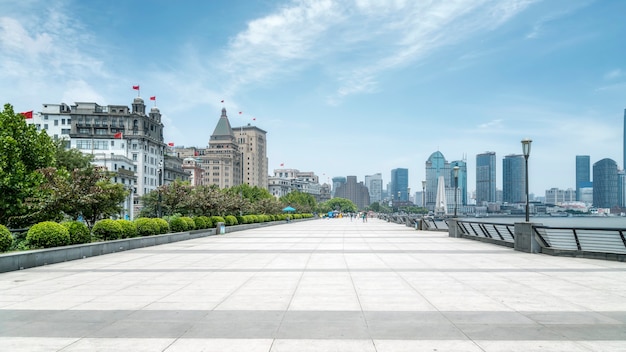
<point x="618" y="222"/>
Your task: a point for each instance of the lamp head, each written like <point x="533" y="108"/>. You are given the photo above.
<point x="456" y="170"/>
<point x="526" y="146"/>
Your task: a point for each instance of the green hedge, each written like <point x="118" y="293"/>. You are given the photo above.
<point x="177" y="224"/>
<point x="47" y="234"/>
<point x="191" y="225"/>
<point x="79" y="232"/>
<point x="216" y="219"/>
<point x="230" y="220"/>
<point x="6" y="239"/>
<point x="162" y="225"/>
<point x="146" y="227"/>
<point x="129" y="229"/>
<point x="106" y="230"/>
<point x="199" y="222"/>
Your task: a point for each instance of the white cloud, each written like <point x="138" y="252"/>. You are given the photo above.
<point x="613" y="74"/>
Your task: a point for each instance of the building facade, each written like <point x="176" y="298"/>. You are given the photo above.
<point x="461" y="190"/>
<point x="354" y="191"/>
<point x="399" y="191"/>
<point x="583" y="173"/>
<point x="252" y="143"/>
<point x="374" y="184"/>
<point x="513" y="179"/>
<point x="605" y="184"/>
<point x="559" y="196"/>
<point x="338" y="181"/>
<point x="436" y="166"/>
<point x="486" y="178"/>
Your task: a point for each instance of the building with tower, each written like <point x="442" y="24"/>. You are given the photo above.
<point x="436" y="166"/>
<point x="486" y="178"/>
<point x="252" y="142"/>
<point x="513" y="179"/>
<point x="354" y="191"/>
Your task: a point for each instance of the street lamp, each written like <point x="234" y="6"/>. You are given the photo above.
<point x="456" y="186"/>
<point x="526" y="149"/>
<point x="159" y="199"/>
<point x="424" y="194"/>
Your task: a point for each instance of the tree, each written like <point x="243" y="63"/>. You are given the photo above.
<point x="70" y="159"/>
<point x="303" y="202"/>
<point x="23" y="150"/>
<point x="340" y="204"/>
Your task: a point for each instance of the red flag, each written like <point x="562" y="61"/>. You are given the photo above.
<point x="27" y="114"/>
<point x="153" y="98"/>
<point x="118" y="135"/>
<point x="222" y="101"/>
<point x="195" y="153"/>
<point x="254" y="119"/>
<point x="282" y="164"/>
<point x="136" y="87"/>
<point x="240" y="112"/>
<point x="171" y="144"/>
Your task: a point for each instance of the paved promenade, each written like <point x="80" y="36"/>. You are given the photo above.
<point x="322" y="285"/>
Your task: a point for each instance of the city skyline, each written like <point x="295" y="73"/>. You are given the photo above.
<point x="342" y="87"/>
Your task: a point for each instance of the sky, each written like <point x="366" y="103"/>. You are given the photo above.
<point x="343" y="88"/>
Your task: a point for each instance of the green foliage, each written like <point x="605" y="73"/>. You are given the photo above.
<point x="216" y="219"/>
<point x="23" y="150"/>
<point x="128" y="228"/>
<point x="240" y="219"/>
<point x="303" y="202"/>
<point x="177" y="224"/>
<point x="191" y="225"/>
<point x="162" y="225"/>
<point x="47" y="234"/>
<point x="146" y="227"/>
<point x="207" y="221"/>
<point x="70" y="159"/>
<point x="199" y="222"/>
<point x="6" y="239"/>
<point x="230" y="220"/>
<point x="79" y="232"/>
<point x="341" y="204"/>
<point x="106" y="230"/>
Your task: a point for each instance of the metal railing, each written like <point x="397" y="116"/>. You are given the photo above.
<point x="496" y="231"/>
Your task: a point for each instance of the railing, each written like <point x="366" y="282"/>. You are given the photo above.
<point x="496" y="231"/>
<point x="586" y="239"/>
<point x="552" y="239"/>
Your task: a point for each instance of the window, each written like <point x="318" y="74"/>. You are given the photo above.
<point x="69" y="121"/>
<point x="84" y="130"/>
<point x="45" y="126"/>
<point x="134" y="146"/>
<point x="134" y="156"/>
<point x="65" y="131"/>
<point x="56" y="122"/>
<point x="112" y="143"/>
<point x="62" y="121"/>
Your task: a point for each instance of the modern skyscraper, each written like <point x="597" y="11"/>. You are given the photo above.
<point x="354" y="191"/>
<point x="399" y="185"/>
<point x="486" y="178"/>
<point x="624" y="143"/>
<point x="583" y="169"/>
<point x="605" y="187"/>
<point x="513" y="179"/>
<point x="337" y="182"/>
<point x="436" y="166"/>
<point x="462" y="180"/>
<point x="374" y="184"/>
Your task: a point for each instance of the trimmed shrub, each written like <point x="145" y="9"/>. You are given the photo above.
<point x="6" y="239"/>
<point x="240" y="220"/>
<point x="177" y="224"/>
<point x="47" y="234"/>
<point x="208" y="222"/>
<point x="199" y="221"/>
<point x="128" y="228"/>
<point x="146" y="227"/>
<point x="106" y="230"/>
<point x="216" y="219"/>
<point x="79" y="232"/>
<point x="191" y="225"/>
<point x="230" y="220"/>
<point x="162" y="225"/>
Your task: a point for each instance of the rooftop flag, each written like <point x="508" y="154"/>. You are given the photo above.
<point x="118" y="135"/>
<point x="171" y="144"/>
<point x="222" y="101"/>
<point x="136" y="87"/>
<point x="27" y="114"/>
<point x="153" y="98"/>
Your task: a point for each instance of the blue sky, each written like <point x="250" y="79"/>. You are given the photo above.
<point x="351" y="87"/>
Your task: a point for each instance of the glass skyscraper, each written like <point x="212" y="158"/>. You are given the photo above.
<point x="436" y="166"/>
<point x="583" y="173"/>
<point x="399" y="184"/>
<point x="486" y="178"/>
<point x="462" y="179"/>
<point x="513" y="179"/>
<point x="605" y="189"/>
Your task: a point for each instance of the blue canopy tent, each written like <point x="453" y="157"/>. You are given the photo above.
<point x="288" y="209"/>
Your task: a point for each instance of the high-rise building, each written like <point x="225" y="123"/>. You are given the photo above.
<point x="605" y="184"/>
<point x="462" y="181"/>
<point x="436" y="166"/>
<point x="374" y="184"/>
<point x="583" y="173"/>
<point x="485" y="178"/>
<point x="354" y="191"/>
<point x="337" y="182"/>
<point x="513" y="179"/>
<point x="252" y="144"/>
<point x="400" y="185"/>
<point x="624" y="143"/>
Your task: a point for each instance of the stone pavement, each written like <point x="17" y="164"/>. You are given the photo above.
<point x="321" y="285"/>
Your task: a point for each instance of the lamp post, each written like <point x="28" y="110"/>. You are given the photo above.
<point x="526" y="149"/>
<point x="456" y="186"/>
<point x="159" y="199"/>
<point x="424" y="194"/>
